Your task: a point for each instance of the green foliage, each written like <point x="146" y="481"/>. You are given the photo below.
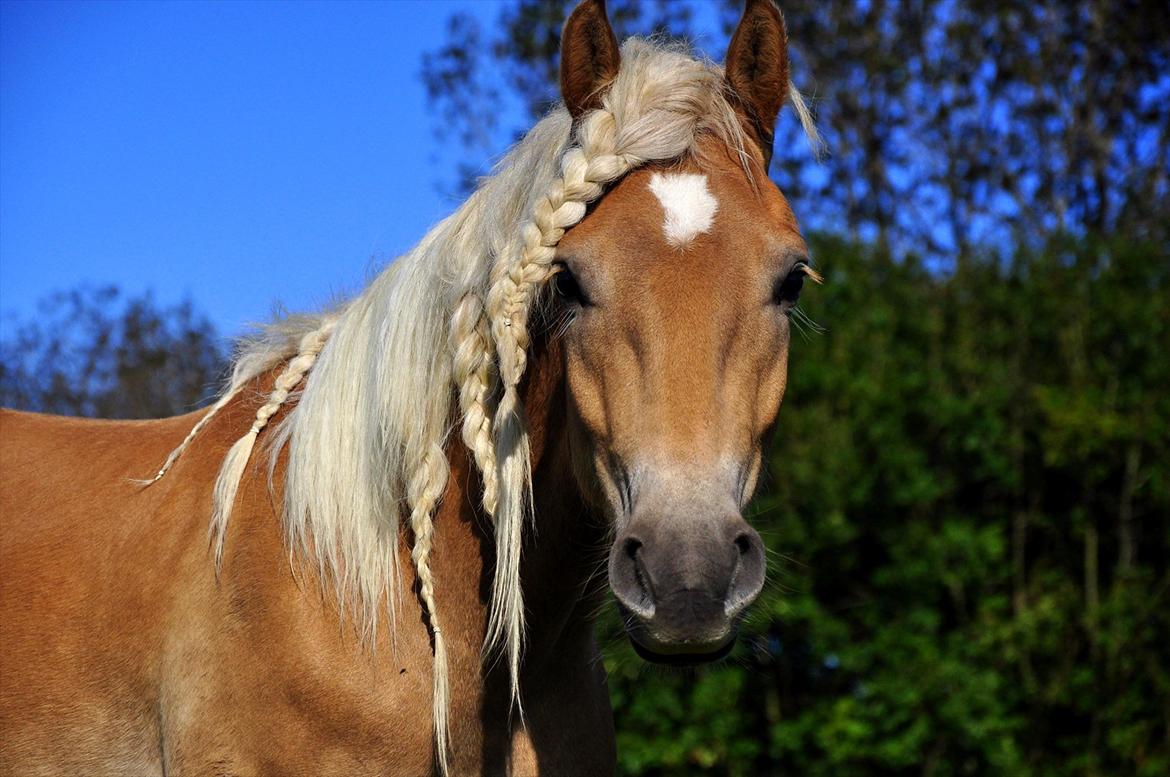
<point x="969" y="515"/>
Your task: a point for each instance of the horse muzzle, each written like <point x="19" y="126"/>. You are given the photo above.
<point x="682" y="586"/>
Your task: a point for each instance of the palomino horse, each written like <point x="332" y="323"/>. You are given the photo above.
<point x="604" y="327"/>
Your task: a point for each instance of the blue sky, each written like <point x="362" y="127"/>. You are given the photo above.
<point x="237" y="153"/>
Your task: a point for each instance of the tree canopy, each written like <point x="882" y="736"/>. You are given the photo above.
<point x="952" y="127"/>
<point x="91" y="352"/>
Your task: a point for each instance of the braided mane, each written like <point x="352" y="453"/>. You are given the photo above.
<point x="448" y="320"/>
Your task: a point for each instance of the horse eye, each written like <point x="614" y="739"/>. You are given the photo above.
<point x="787" y="290"/>
<point x="567" y="288"/>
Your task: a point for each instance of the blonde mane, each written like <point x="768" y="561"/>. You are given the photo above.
<point x="447" y="324"/>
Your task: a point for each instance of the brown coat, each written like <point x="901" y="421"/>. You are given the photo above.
<point x="123" y="654"/>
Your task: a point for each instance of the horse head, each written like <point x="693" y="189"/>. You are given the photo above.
<point x="675" y="293"/>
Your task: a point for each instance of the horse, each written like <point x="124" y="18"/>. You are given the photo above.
<point x="381" y="550"/>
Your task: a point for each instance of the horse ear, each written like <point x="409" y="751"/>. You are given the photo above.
<point x="589" y="57"/>
<point x="757" y="68"/>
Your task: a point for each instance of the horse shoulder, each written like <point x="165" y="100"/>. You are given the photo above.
<point x="265" y="671"/>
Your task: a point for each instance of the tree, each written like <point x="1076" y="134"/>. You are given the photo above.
<point x="90" y="353"/>
<point x="953" y="128"/>
<point x="967" y="499"/>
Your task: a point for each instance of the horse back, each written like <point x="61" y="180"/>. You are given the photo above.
<point x="124" y="651"/>
<point x="88" y="562"/>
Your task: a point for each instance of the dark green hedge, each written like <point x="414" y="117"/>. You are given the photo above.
<point x="968" y="515"/>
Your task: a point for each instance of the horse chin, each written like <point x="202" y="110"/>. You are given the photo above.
<point x="682" y="659"/>
<point x="682" y="654"/>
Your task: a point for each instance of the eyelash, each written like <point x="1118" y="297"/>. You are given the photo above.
<point x="786" y="292"/>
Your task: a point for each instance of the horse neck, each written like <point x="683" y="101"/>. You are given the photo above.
<point x="564" y="548"/>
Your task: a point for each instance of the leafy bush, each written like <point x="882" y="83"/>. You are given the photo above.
<point x="968" y="512"/>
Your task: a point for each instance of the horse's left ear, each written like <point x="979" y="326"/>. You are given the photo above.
<point x="589" y="57"/>
<point x="757" y="68"/>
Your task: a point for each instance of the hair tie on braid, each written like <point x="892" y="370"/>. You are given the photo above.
<point x="232" y="471"/>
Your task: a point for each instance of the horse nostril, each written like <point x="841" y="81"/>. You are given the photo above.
<point x="629" y="580"/>
<point x="744" y="543"/>
<point x="748" y="578"/>
<point x="632" y="548"/>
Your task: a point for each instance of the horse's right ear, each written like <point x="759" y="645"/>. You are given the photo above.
<point x="589" y="57"/>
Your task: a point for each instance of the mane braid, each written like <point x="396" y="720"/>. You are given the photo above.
<point x="448" y="323"/>
<point x="232" y="470"/>
<point x="473" y="366"/>
<point x="223" y="401"/>
<point x="423" y="495"/>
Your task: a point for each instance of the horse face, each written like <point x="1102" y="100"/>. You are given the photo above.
<point x="677" y="290"/>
